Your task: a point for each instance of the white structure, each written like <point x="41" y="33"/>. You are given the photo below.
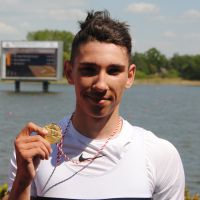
<point x="31" y="61"/>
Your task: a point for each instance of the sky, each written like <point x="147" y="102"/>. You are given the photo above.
<point x="171" y="26"/>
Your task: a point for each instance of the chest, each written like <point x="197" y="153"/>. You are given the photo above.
<point x="127" y="179"/>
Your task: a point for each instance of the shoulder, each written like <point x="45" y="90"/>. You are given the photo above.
<point x="156" y="147"/>
<point x="158" y="151"/>
<point x="164" y="167"/>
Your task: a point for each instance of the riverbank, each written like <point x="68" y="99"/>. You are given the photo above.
<point x="146" y="81"/>
<point x="167" y="81"/>
<point x="155" y="80"/>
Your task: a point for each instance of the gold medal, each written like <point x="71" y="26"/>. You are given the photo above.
<point x="54" y="133"/>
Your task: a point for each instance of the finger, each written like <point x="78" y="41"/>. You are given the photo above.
<point x="39" y="145"/>
<point x="29" y="150"/>
<point x="34" y="152"/>
<point x="37" y="140"/>
<point x="43" y="141"/>
<point x="31" y="127"/>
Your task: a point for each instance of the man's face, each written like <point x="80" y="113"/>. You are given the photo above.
<point x="100" y="73"/>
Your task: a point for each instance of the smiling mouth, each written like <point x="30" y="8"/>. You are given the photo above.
<point x="98" y="100"/>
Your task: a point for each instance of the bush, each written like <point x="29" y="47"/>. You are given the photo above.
<point x="189" y="197"/>
<point x="173" y="73"/>
<point x="140" y="75"/>
<point x="3" y="190"/>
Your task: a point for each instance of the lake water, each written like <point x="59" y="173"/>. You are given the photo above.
<point x="171" y="112"/>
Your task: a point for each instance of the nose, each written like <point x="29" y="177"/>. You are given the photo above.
<point x="100" y="83"/>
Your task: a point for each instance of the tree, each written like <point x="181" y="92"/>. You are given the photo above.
<point x="187" y="66"/>
<point x="156" y="61"/>
<point x="140" y="61"/>
<point x="54" y="35"/>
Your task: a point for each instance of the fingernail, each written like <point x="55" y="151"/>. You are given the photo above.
<point x="44" y="130"/>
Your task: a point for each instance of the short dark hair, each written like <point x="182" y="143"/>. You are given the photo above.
<point x="98" y="26"/>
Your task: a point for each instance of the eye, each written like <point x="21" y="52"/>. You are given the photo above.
<point x="114" y="70"/>
<point x="87" y="71"/>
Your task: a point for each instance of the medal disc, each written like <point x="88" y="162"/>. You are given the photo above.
<point x="54" y="133"/>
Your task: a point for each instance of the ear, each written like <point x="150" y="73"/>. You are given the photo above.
<point x="68" y="72"/>
<point x="131" y="76"/>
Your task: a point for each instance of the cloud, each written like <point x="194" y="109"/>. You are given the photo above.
<point x="64" y="15"/>
<point x="5" y="28"/>
<point x="192" y="13"/>
<point x="169" y="34"/>
<point x="143" y="8"/>
<point x="25" y="25"/>
<point x="192" y="36"/>
<point x="182" y="36"/>
<point x="9" y="2"/>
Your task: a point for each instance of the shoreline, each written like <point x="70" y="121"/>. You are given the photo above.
<point x="146" y="81"/>
<point x="152" y="81"/>
<point x="167" y="81"/>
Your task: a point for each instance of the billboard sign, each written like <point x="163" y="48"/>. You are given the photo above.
<point x="35" y="60"/>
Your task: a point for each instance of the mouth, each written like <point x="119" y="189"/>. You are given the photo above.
<point x="98" y="99"/>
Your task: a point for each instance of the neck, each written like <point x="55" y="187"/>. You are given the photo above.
<point x="95" y="127"/>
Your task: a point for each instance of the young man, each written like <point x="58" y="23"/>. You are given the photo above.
<point x="101" y="155"/>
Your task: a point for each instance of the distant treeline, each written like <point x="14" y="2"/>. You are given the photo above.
<point x="153" y="62"/>
<point x="150" y="63"/>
